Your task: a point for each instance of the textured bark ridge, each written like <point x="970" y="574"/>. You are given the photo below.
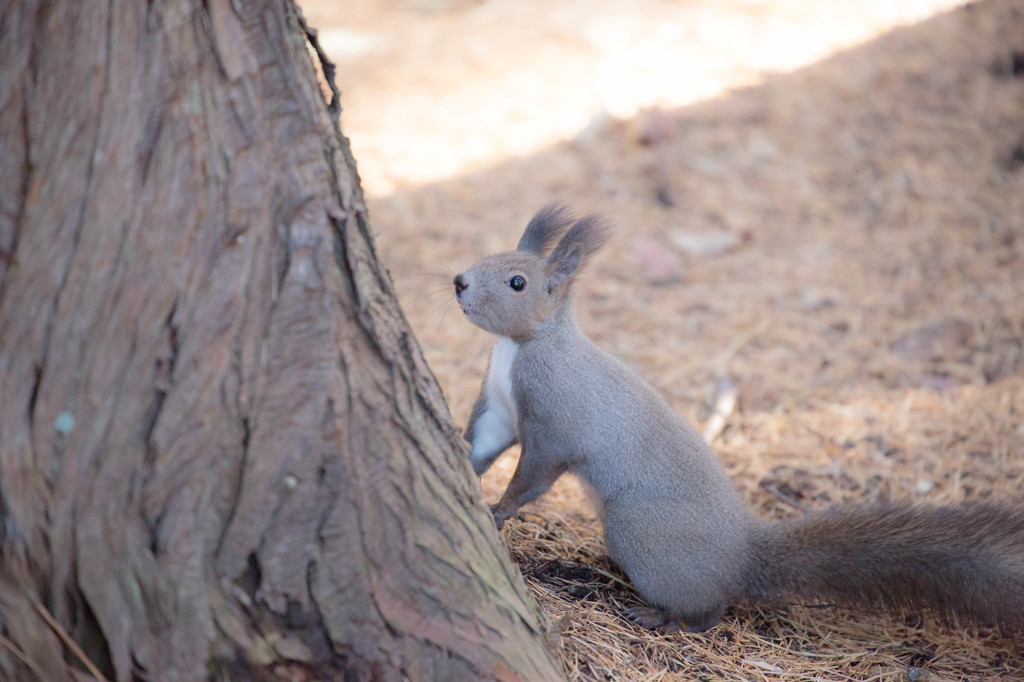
<point x="221" y="452"/>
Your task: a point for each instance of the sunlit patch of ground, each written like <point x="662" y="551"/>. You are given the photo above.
<point x="434" y="88"/>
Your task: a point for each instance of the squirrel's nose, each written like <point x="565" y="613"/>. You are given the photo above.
<point x="460" y="284"/>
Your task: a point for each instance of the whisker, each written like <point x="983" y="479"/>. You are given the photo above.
<point x="444" y="312"/>
<point x="438" y="305"/>
<point x="440" y="276"/>
<point x="439" y="292"/>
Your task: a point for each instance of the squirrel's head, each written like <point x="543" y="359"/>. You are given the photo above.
<point x="511" y="294"/>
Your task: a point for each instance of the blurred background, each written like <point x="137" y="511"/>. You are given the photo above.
<point x="819" y="212"/>
<point x="437" y="88"/>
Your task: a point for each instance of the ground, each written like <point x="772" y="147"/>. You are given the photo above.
<point x="818" y="205"/>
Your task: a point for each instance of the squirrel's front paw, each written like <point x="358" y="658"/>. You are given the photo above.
<point x="500" y="516"/>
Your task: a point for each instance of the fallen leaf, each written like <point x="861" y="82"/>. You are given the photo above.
<point x="708" y="243"/>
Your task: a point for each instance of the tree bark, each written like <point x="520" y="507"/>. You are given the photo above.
<point x="222" y="455"/>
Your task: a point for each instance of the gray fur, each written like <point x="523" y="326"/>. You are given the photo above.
<point x="545" y="228"/>
<point x="672" y="519"/>
<point x="583" y="240"/>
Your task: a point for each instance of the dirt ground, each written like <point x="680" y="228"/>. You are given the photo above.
<point x="819" y="204"/>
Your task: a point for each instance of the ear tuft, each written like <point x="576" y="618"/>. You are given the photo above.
<point x="544" y="228"/>
<point x="583" y="240"/>
<point x="588" y="235"/>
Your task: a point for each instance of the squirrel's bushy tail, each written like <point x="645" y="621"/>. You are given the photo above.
<point x="964" y="564"/>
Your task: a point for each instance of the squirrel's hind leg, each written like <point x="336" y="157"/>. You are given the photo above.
<point x="653" y="618"/>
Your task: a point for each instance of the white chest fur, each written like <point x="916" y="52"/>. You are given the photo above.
<point x="499" y="380"/>
<point x="497" y="426"/>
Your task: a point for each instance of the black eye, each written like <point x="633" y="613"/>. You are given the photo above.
<point x="517" y="283"/>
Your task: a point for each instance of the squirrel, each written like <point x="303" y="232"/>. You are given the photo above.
<point x="673" y="522"/>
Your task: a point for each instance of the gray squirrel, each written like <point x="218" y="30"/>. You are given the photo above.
<point x="672" y="519"/>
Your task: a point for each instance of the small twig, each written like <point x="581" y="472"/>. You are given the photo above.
<point x="826" y="440"/>
<point x="69" y="642"/>
<point x="784" y="498"/>
<point x="726" y="395"/>
<point x="22" y="656"/>
<point x="611" y="576"/>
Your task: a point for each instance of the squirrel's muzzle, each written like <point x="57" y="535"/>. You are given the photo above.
<point x="460" y="284"/>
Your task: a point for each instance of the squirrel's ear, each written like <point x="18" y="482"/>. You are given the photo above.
<point x="582" y="241"/>
<point x="544" y="228"/>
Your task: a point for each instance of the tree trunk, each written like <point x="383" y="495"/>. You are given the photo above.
<point x="222" y="455"/>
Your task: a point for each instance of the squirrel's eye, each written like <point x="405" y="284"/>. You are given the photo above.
<point x="517" y="283"/>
